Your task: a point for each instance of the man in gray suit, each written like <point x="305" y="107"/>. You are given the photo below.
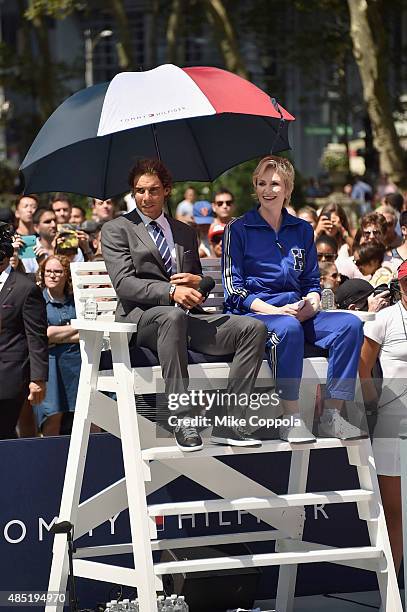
<point x="154" y="265"/>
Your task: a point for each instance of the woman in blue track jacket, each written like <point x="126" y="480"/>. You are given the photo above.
<point x="270" y="271"/>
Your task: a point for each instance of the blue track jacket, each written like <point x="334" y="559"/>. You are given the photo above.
<point x="278" y="267"/>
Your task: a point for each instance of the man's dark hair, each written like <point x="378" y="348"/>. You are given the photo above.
<point x="223" y="190"/>
<point x="150" y="166"/>
<point x="374" y="219"/>
<point x="39" y="212"/>
<point x="372" y="251"/>
<point x="61" y="197"/>
<point x="80" y="208"/>
<point x="403" y="219"/>
<point x="26" y="195"/>
<point x="395" y="200"/>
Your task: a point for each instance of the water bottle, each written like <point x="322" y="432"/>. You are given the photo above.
<point x="184" y="607"/>
<point x="327" y="299"/>
<point x="160" y="603"/>
<point x="125" y="606"/>
<point x="108" y="607"/>
<point x="168" y="607"/>
<point x="114" y="606"/>
<point x="91" y="310"/>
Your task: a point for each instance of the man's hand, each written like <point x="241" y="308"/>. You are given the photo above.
<point x="187" y="297"/>
<point x="37" y="391"/>
<point x="377" y="302"/>
<point x="186" y="279"/>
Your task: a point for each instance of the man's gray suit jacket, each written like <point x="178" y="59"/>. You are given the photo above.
<point x="136" y="268"/>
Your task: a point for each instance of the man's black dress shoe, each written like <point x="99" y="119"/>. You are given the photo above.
<point x="187" y="438"/>
<point x="234" y="436"/>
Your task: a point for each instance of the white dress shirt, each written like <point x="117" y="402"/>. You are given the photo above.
<point x="166" y="229"/>
<point x="4" y="276"/>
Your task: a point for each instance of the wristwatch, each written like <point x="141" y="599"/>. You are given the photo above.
<point x="172" y="291"/>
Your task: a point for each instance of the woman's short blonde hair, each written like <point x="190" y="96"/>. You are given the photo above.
<point x="283" y="167"/>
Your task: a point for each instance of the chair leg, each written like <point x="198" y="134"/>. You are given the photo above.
<point x="287" y="576"/>
<point x="90" y="351"/>
<point x="136" y="473"/>
<point x="373" y="514"/>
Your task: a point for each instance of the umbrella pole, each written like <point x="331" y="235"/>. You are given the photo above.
<point x="157" y="150"/>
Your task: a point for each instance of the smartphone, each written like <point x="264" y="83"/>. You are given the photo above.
<point x="301" y="304"/>
<point x="27" y="251"/>
<point x="67" y="231"/>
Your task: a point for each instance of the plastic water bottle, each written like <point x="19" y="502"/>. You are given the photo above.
<point x="125" y="605"/>
<point x="168" y="607"/>
<point x="327" y="299"/>
<point x="91" y="310"/>
<point x="183" y="606"/>
<point x="160" y="603"/>
<point x="108" y="607"/>
<point x="114" y="606"/>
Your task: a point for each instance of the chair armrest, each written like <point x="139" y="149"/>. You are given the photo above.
<point x="110" y="327"/>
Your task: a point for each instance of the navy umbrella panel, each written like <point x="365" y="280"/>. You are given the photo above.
<point x="198" y="128"/>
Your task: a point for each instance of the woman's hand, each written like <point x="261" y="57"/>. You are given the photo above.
<point x="324" y="225"/>
<point x="307" y="311"/>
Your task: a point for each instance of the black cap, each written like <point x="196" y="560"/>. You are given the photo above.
<point x="352" y="291"/>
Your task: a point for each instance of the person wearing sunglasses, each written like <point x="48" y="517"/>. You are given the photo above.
<point x="223" y="206"/>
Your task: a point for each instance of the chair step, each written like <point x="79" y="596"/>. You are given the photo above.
<point x="217" y="450"/>
<point x="266" y="559"/>
<point x="256" y="503"/>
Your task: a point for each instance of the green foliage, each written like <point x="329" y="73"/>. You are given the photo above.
<point x="59" y="9"/>
<point x="8" y="176"/>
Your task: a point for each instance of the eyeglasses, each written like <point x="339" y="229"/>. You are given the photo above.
<point x="53" y="272"/>
<point x="326" y="256"/>
<point x="367" y="233"/>
<point x="227" y="202"/>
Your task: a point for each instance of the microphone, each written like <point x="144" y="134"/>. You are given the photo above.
<point x="206" y="285"/>
<point x="62" y="527"/>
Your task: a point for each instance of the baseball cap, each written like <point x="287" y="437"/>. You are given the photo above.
<point x="352" y="291"/>
<point x="402" y="270"/>
<point x="203" y="212"/>
<point x="216" y="230"/>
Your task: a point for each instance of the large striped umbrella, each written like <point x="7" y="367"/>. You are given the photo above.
<point x="200" y="121"/>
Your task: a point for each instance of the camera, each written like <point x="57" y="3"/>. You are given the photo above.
<point x="393" y="287"/>
<point x="6" y="241"/>
<point x="68" y="238"/>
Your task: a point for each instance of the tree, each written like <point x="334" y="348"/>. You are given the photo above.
<point x="225" y="36"/>
<point x="370" y="52"/>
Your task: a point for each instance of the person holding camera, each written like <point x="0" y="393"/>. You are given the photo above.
<point x="23" y="340"/>
<point x="334" y="223"/>
<point x="386" y="341"/>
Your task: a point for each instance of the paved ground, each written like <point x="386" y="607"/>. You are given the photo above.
<point x="343" y="602"/>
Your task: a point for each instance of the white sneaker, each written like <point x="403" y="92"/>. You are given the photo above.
<point x="338" y="427"/>
<point x="296" y="434"/>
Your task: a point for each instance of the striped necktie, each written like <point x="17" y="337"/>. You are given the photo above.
<point x="162" y="246"/>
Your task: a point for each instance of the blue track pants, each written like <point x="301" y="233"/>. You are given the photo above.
<point x="340" y="333"/>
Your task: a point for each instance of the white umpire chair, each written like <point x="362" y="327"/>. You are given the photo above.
<point x="151" y="462"/>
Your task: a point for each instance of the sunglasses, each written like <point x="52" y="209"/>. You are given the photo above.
<point x="326" y="256"/>
<point x="227" y="202"/>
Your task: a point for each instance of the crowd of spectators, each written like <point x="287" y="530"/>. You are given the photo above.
<point x="357" y="263"/>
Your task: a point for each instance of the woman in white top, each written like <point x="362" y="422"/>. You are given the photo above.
<point x="386" y="339"/>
